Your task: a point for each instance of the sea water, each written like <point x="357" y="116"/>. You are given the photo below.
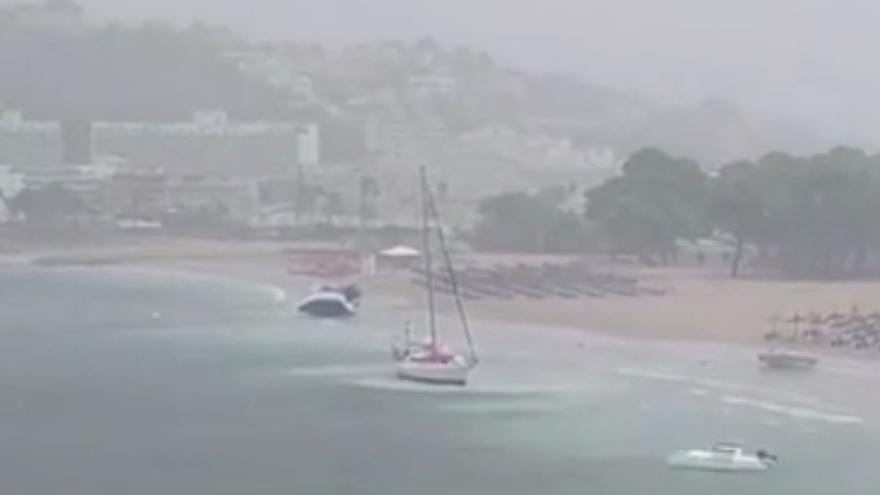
<point x="122" y="381"/>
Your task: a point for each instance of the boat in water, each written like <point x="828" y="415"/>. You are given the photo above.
<point x="722" y="457"/>
<point x="432" y="361"/>
<point x="788" y="359"/>
<point x="331" y="302"/>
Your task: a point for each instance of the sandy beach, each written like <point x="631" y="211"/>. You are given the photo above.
<point x="700" y="305"/>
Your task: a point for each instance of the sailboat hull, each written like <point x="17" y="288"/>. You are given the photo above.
<point x="452" y="373"/>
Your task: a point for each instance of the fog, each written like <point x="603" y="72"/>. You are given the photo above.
<point x="601" y="239"/>
<point x="808" y="62"/>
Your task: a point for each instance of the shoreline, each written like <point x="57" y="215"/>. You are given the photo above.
<point x="700" y="306"/>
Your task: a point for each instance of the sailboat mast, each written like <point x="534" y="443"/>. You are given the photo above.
<point x="432" y="204"/>
<point x="426" y="250"/>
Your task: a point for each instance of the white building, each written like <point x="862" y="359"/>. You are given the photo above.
<point x="303" y="87"/>
<point x="432" y="84"/>
<point x="10" y="120"/>
<point x="11" y="181"/>
<point x="78" y="178"/>
<point x="308" y="146"/>
<point x="538" y="149"/>
<point x="212" y="143"/>
<point x="209" y="121"/>
<point x="203" y="123"/>
<point x="86" y="181"/>
<point x="209" y="142"/>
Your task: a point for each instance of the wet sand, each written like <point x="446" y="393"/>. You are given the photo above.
<point x="699" y="306"/>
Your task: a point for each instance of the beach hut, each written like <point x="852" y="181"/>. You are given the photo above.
<point x="399" y="257"/>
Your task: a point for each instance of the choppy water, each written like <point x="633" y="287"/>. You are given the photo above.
<point x="137" y="383"/>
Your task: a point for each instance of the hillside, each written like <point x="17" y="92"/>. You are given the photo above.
<point x="363" y="94"/>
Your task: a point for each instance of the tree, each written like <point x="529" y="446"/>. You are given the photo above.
<point x="442" y="190"/>
<point x="554" y="194"/>
<point x="657" y="201"/>
<point x="50" y="208"/>
<point x="821" y="211"/>
<point x="520" y="222"/>
<point x="737" y="207"/>
<point x="369" y="193"/>
<point x="331" y="206"/>
<point x="305" y="197"/>
<point x="810" y="216"/>
<point x="114" y="72"/>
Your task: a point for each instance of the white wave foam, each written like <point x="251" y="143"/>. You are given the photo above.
<point x="770" y="422"/>
<point x="658" y="375"/>
<point x="853" y="371"/>
<point x="676" y="378"/>
<point x="335" y="371"/>
<point x="714" y="384"/>
<point x="391" y="383"/>
<point x="794" y="412"/>
<point x="502" y="407"/>
<point x="278" y="294"/>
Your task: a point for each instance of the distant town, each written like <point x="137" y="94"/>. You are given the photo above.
<point x="357" y="123"/>
<point x="157" y="129"/>
<point x="196" y="126"/>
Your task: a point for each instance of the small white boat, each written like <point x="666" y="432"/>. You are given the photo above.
<point x="436" y="367"/>
<point x="788" y="359"/>
<point x="328" y="303"/>
<point x="722" y="457"/>
<point x="432" y="361"/>
<point x="429" y="362"/>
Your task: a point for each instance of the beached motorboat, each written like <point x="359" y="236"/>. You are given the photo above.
<point x="722" y="457"/>
<point x="788" y="359"/>
<point x="432" y="361"/>
<point x="331" y="302"/>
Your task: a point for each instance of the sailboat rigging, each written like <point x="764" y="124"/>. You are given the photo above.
<point x="434" y="362"/>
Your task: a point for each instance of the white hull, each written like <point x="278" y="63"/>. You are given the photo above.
<point x="326" y="304"/>
<point x="707" y="460"/>
<point x="454" y="372"/>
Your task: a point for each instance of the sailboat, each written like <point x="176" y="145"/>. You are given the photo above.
<point x="433" y="361"/>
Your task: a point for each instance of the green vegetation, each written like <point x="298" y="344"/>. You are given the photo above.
<point x="368" y="197"/>
<point x="736" y="207"/>
<point x="529" y="223"/>
<point x="816" y="217"/>
<point x="50" y="211"/>
<point x="657" y="201"/>
<point x="148" y="72"/>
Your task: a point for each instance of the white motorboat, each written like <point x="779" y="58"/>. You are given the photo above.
<point x="431" y="361"/>
<point x="722" y="457"/>
<point x="788" y="359"/>
<point x="329" y="302"/>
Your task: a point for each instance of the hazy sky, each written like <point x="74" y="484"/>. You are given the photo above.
<point x="811" y="60"/>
